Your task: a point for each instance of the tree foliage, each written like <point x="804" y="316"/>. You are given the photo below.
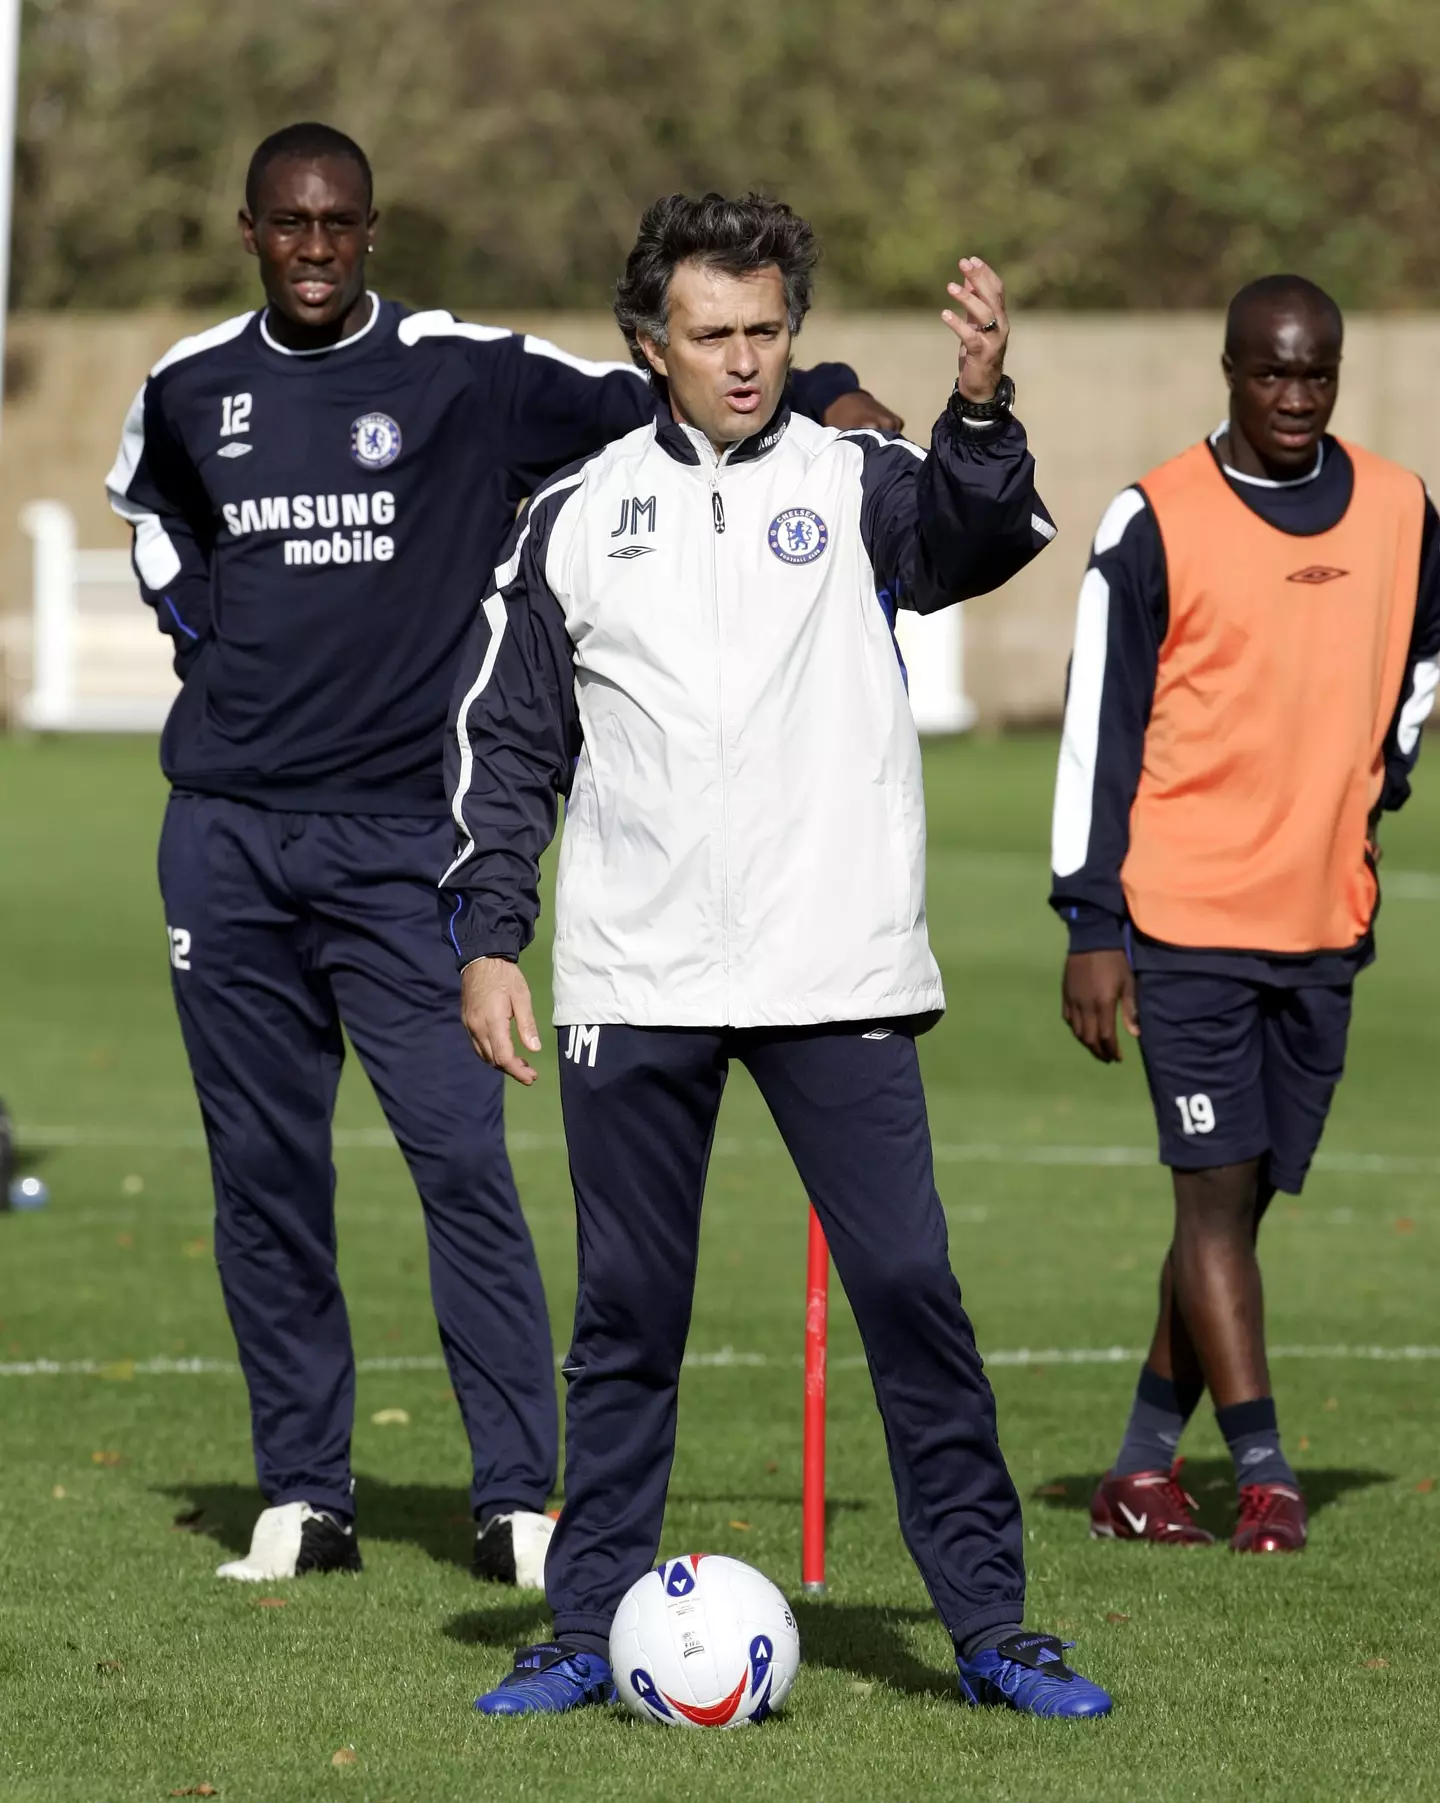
<point x="1103" y="153"/>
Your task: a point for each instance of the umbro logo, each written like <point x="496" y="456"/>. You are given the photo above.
<point x="631" y="551"/>
<point x="235" y="450"/>
<point x="1316" y="573"/>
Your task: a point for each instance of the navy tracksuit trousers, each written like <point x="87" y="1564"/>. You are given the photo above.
<point x="283" y="927"/>
<point x="640" y="1108"/>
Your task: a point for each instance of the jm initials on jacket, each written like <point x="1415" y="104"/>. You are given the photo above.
<point x="697" y="651"/>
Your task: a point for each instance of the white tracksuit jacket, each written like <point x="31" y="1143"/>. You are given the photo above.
<point x="698" y="652"/>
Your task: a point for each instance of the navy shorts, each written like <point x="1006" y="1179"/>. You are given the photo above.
<point x="1239" y="1070"/>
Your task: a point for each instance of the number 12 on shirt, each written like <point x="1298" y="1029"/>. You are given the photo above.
<point x="234" y="415"/>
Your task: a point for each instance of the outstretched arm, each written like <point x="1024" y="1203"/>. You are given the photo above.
<point x="561" y="408"/>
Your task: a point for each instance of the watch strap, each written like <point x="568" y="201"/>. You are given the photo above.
<point x="984" y="413"/>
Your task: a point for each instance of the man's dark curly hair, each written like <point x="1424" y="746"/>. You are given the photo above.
<point x="735" y="236"/>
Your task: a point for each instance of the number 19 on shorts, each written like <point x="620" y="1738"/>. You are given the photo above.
<point x="1197" y="1114"/>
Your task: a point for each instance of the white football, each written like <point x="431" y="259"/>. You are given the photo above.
<point x="704" y="1642"/>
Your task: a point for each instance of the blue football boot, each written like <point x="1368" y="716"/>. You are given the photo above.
<point x="1028" y="1672"/>
<point x="547" y="1681"/>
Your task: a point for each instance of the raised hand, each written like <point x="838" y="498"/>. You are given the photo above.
<point x="982" y="326"/>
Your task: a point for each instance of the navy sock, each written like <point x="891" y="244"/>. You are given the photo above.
<point x="598" y="1644"/>
<point x="986" y="1638"/>
<point x="1157" y="1420"/>
<point x="1252" y="1433"/>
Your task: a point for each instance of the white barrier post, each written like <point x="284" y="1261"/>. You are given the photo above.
<point x="933" y="646"/>
<point x="50" y="704"/>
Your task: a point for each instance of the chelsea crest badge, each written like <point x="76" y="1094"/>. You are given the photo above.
<point x="374" y="441"/>
<point x="798" y="535"/>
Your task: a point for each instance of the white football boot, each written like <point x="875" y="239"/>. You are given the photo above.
<point x="290" y="1541"/>
<point x="511" y="1549"/>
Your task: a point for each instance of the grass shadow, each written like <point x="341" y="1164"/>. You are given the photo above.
<point x="1212" y="1483"/>
<point x="870" y="1643"/>
<point x="431" y="1516"/>
<point x="506" y="1625"/>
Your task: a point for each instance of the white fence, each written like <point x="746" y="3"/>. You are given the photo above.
<point x="98" y="661"/>
<point x="99" y="664"/>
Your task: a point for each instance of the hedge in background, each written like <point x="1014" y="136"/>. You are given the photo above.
<point x="1104" y="153"/>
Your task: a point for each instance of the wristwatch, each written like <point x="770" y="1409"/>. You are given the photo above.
<point x="984" y="413"/>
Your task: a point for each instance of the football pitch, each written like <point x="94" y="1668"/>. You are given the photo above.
<point x="127" y="1671"/>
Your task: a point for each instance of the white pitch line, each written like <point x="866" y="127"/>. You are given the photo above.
<point x="182" y="1139"/>
<point x="1361" y="1164"/>
<point x="726" y="1358"/>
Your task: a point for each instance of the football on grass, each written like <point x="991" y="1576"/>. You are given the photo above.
<point x="704" y="1642"/>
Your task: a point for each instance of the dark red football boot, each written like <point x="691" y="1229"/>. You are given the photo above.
<point x="1147" y="1505"/>
<point x="1272" y="1520"/>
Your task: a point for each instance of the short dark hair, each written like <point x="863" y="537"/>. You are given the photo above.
<point x="306" y="141"/>
<point x="735" y="236"/>
<point x="1274" y="291"/>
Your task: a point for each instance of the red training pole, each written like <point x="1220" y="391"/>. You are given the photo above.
<point x="817" y="1323"/>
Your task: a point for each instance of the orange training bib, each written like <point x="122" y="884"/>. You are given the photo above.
<point x="1277" y="683"/>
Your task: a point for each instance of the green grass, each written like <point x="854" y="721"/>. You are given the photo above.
<point x="127" y="1671"/>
